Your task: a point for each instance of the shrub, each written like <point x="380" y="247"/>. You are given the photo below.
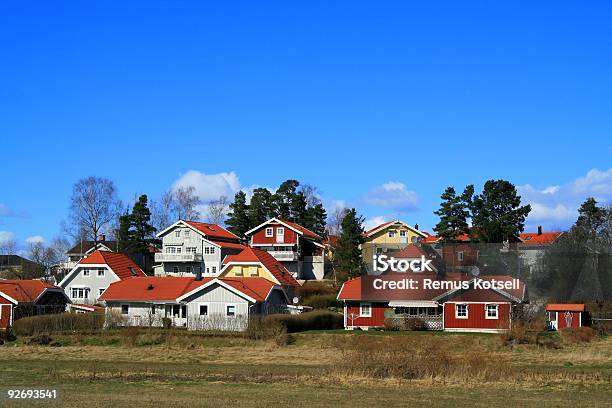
<point x="322" y="301"/>
<point x="317" y="320"/>
<point x="260" y="328"/>
<point x="61" y="322"/>
<point x="392" y="324"/>
<point x="415" y="324"/>
<point x="42" y="340"/>
<point x="166" y="322"/>
<point x="576" y="335"/>
<point x="314" y="288"/>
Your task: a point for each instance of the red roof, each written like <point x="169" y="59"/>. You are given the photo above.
<point x="303" y="230"/>
<point x="276" y="268"/>
<point x="332" y="241"/>
<point x="384" y="224"/>
<point x="24" y="291"/>
<point x="434" y="238"/>
<point x="225" y="244"/>
<point x="410" y="251"/>
<point x="170" y="288"/>
<point x="213" y="231"/>
<point x="567" y="307"/>
<point x="120" y="264"/>
<point x="544" y="238"/>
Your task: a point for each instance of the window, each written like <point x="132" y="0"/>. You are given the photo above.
<point x="402" y="233"/>
<point x="176" y="310"/>
<point x="365" y="310"/>
<point x="460" y="256"/>
<point x="101" y="291"/>
<point x="170" y="250"/>
<point x="184" y="311"/>
<point x="125" y="309"/>
<point x="153" y="309"/>
<point x="209" y="250"/>
<point x="269" y="232"/>
<point x="491" y="311"/>
<point x="179" y="250"/>
<point x="188" y="269"/>
<point x="79" y="293"/>
<point x="190" y="250"/>
<point x="214" y="269"/>
<point x="177" y="233"/>
<point x="461" y="311"/>
<point x="101" y="273"/>
<point x="280" y="231"/>
<point x="175" y="269"/>
<point x="187" y="233"/>
<point x="230" y="310"/>
<point x="86" y="272"/>
<point x="203" y="310"/>
<point x="391" y="234"/>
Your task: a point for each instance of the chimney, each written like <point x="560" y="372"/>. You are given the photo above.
<point x="539" y="230"/>
<point x="102" y="238"/>
<point x="416" y="226"/>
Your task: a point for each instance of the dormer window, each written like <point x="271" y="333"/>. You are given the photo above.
<point x="177" y="233"/>
<point x="86" y="272"/>
<point x="269" y="232"/>
<point x="187" y="233"/>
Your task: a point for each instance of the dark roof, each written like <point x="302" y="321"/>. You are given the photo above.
<point x="83" y="247"/>
<point x="15" y="261"/>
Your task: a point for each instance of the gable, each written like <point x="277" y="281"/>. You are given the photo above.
<point x="216" y="293"/>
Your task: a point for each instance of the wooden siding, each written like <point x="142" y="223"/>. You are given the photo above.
<point x="476" y="317"/>
<point x="5" y="313"/>
<point x="377" y="319"/>
<point x="259" y="236"/>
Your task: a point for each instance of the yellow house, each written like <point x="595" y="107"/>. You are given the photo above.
<point x="255" y="263"/>
<point x="389" y="236"/>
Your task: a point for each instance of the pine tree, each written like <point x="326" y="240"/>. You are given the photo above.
<point x="141" y="232"/>
<point x="453" y="215"/>
<point x="123" y="233"/>
<point x="590" y="218"/>
<point x="297" y="208"/>
<point x="316" y="219"/>
<point x="238" y="218"/>
<point x="348" y="252"/>
<point x="497" y="214"/>
<point x="261" y="207"/>
<point x="284" y="197"/>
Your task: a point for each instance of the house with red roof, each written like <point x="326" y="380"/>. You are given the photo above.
<point x="93" y="274"/>
<point x="387" y="237"/>
<point x="190" y="248"/>
<point x="566" y="315"/>
<point x="210" y="303"/>
<point x="253" y="262"/>
<point x="300" y="250"/>
<point x="22" y="298"/>
<point x="451" y="303"/>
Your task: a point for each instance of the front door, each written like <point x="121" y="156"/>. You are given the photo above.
<point x="280" y="235"/>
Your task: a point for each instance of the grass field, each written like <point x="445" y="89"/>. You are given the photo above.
<point x="316" y="370"/>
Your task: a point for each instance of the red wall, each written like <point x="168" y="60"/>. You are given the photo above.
<point x="6" y="313"/>
<point x="377" y="319"/>
<point x="476" y="317"/>
<point x="259" y="237"/>
<point x="561" y="320"/>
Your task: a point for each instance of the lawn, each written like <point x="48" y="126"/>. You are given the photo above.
<point x="152" y="369"/>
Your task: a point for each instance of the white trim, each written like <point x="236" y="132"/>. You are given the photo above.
<point x="221" y="283"/>
<point x="271" y="229"/>
<point x="279" y="222"/>
<point x="235" y="305"/>
<point x="7" y="297"/>
<point x="472" y="330"/>
<point x="121" y="309"/>
<point x="200" y="304"/>
<point x="80" y="265"/>
<point x="467" y="311"/>
<point x="251" y="263"/>
<point x="361" y="305"/>
<point x="487" y="317"/>
<point x="501" y="292"/>
<point x="389" y="224"/>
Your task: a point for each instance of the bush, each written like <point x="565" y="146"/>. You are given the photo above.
<point x="261" y="328"/>
<point x="392" y="324"/>
<point x="61" y="322"/>
<point x="166" y="322"/>
<point x="577" y="335"/>
<point x="415" y="324"/>
<point x="317" y="320"/>
<point x="42" y="340"/>
<point x="322" y="301"/>
<point x="314" y="288"/>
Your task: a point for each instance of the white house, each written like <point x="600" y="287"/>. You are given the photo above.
<point x="93" y="274"/>
<point x="191" y="247"/>
<point x="207" y="304"/>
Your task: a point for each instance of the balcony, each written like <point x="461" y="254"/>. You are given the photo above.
<point x="163" y="257"/>
<point x="284" y="255"/>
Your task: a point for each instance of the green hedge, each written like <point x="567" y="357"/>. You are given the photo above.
<point x="322" y="301"/>
<point x="61" y="322"/>
<point x="317" y="320"/>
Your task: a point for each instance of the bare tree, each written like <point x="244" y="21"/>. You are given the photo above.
<point x="311" y="195"/>
<point x="186" y="202"/>
<point x="162" y="211"/>
<point x="334" y="221"/>
<point x="94" y="207"/>
<point x="217" y="210"/>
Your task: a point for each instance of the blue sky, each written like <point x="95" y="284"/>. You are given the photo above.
<point x="380" y="105"/>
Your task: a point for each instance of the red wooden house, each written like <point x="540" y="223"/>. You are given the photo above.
<point x="465" y="309"/>
<point x="300" y="250"/>
<point x="562" y="316"/>
<point x="21" y="298"/>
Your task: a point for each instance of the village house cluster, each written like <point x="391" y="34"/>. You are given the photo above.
<point x="205" y="277"/>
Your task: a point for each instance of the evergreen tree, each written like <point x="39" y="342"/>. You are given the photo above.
<point x="141" y="232"/>
<point x="348" y="251"/>
<point x="261" y="207"/>
<point x="123" y="233"/>
<point x="497" y="214"/>
<point x="238" y="218"/>
<point x="316" y="219"/>
<point x="453" y="215"/>
<point x="591" y="219"/>
<point x="284" y="197"/>
<point x="297" y="208"/>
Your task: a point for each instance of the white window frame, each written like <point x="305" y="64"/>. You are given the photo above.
<point x="187" y="233"/>
<point x="101" y="291"/>
<point x="86" y="272"/>
<point x="103" y="273"/>
<point x="175" y="269"/>
<point x="235" y="310"/>
<point x="280" y="231"/>
<point x="367" y="312"/>
<point x="269" y="232"/>
<point x="496" y="317"/>
<point x="177" y="233"/>
<point x="402" y="233"/>
<point x="391" y="233"/>
<point x="467" y="311"/>
<point x="128" y="309"/>
<point x="200" y="309"/>
<point x="460" y="256"/>
<point x="213" y="269"/>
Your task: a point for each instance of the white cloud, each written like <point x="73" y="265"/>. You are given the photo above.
<point x="558" y="205"/>
<point x="392" y="195"/>
<point x="370" y="223"/>
<point x="209" y="186"/>
<point x="6" y="236"/>
<point x="35" y="239"/>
